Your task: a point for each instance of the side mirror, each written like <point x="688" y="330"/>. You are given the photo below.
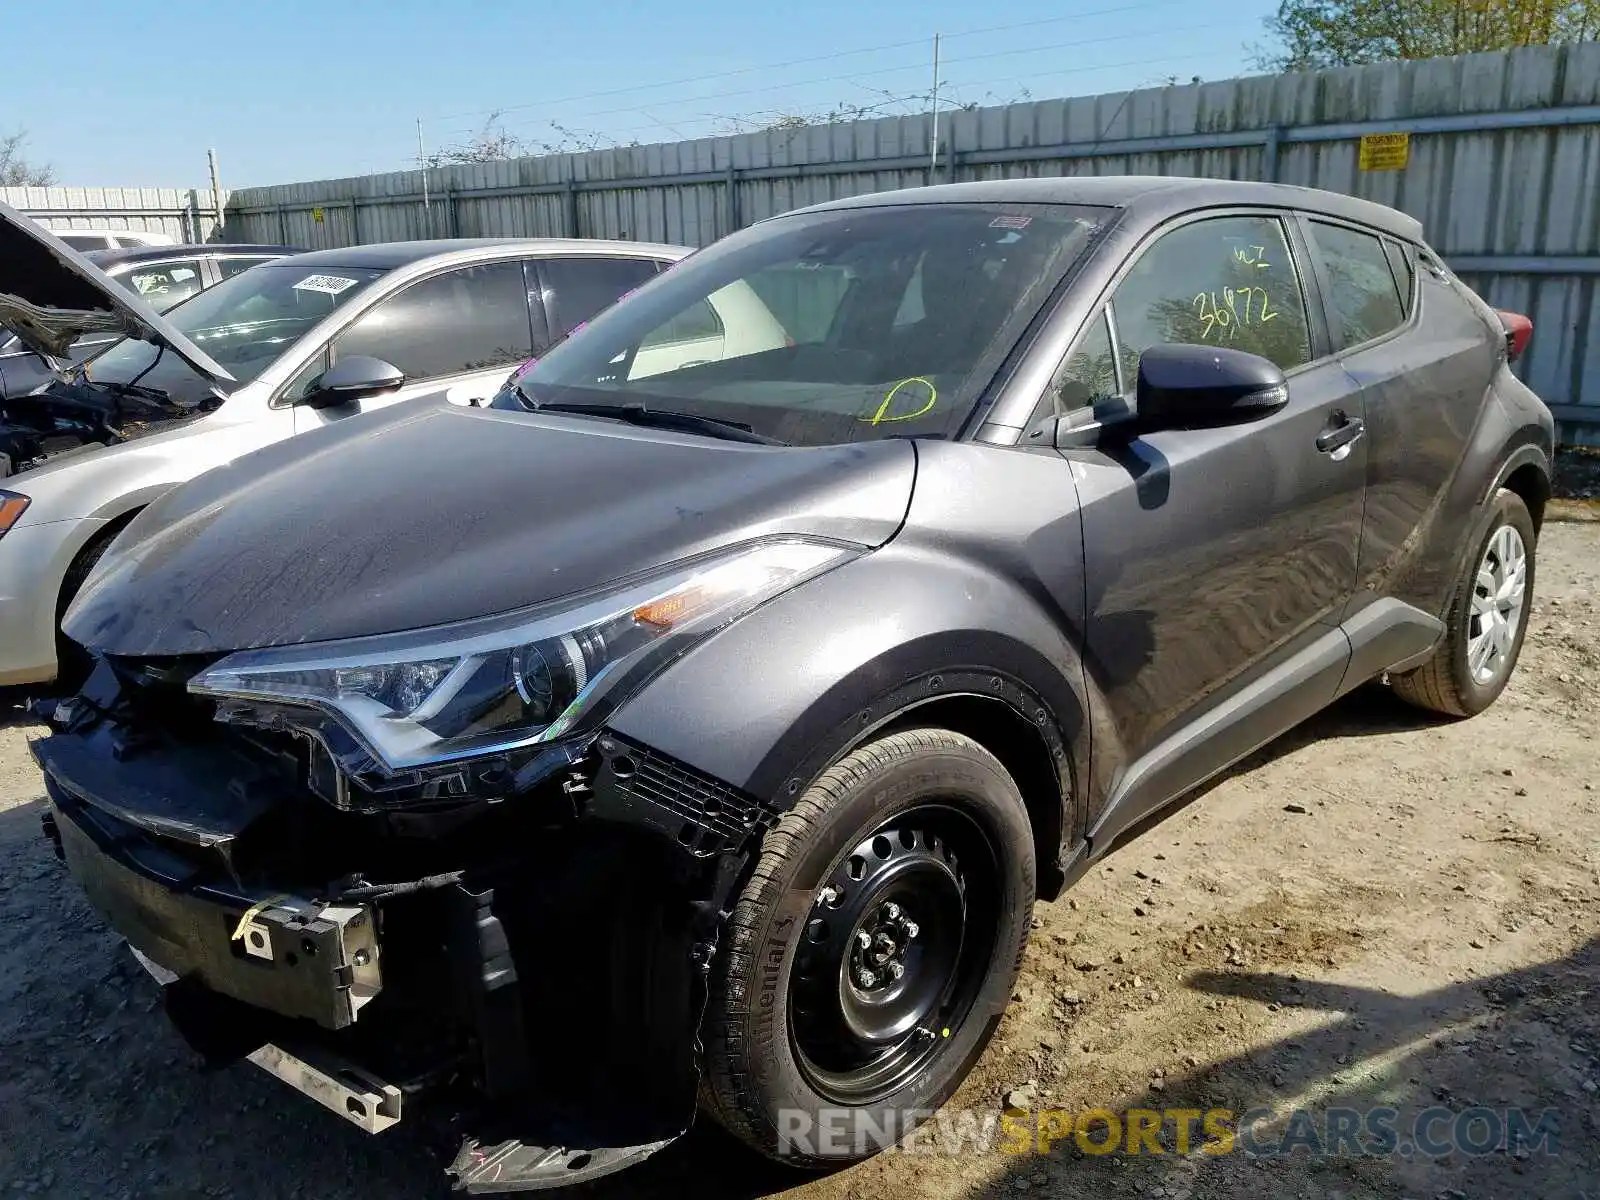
<point x="1196" y="387"/>
<point x="352" y="379"/>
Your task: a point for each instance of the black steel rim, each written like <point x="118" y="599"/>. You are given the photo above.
<point x="894" y="953"/>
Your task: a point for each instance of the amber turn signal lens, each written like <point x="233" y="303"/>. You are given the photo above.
<point x="11" y="509"/>
<point x="670" y="609"/>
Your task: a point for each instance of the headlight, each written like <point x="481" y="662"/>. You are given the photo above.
<point x="496" y="684"/>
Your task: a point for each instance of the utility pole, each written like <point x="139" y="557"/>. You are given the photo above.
<point x="933" y="150"/>
<point x="216" y="190"/>
<point x="422" y="162"/>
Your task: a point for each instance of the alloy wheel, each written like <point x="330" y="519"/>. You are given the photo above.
<point x="1499" y="594"/>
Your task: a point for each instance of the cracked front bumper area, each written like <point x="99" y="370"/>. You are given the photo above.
<point x="527" y="991"/>
<point x="290" y="955"/>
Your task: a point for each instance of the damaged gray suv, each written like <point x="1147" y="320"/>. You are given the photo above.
<point x="697" y="735"/>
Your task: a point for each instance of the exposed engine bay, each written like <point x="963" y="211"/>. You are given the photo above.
<point x="509" y="959"/>
<point x="69" y="414"/>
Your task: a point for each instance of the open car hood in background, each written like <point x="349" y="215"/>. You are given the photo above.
<point x="51" y="295"/>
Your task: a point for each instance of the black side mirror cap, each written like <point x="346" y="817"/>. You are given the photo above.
<point x="1196" y="387"/>
<point x="352" y="379"/>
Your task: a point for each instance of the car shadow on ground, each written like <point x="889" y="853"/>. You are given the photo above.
<point x="1523" y="1040"/>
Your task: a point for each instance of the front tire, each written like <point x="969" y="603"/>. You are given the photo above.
<point x="873" y="951"/>
<point x="73" y="662"/>
<point x="1487" y="622"/>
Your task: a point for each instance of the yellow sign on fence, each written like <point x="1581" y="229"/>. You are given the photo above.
<point x="316" y="213"/>
<point x="1385" y="151"/>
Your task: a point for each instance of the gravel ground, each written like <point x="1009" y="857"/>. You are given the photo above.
<point x="1379" y="909"/>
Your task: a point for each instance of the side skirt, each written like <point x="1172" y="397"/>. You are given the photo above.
<point x="1384" y="636"/>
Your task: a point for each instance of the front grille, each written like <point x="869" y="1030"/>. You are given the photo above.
<point x="156" y="692"/>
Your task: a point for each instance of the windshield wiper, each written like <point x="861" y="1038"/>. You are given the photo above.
<point x="660" y="418"/>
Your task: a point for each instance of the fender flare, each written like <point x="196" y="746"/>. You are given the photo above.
<point x="1523" y="452"/>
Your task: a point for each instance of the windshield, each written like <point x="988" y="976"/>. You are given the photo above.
<point x="244" y="322"/>
<point x="826" y="327"/>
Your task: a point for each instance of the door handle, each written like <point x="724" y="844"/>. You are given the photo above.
<point x="1337" y="439"/>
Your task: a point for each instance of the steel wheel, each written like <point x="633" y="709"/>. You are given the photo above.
<point x="1498" y="596"/>
<point x="891" y="957"/>
<point x="873" y="950"/>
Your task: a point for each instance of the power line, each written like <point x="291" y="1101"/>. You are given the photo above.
<point x="795" y="62"/>
<point x="753" y="117"/>
<point x="853" y="76"/>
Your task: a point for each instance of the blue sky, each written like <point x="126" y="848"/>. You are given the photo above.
<point x="293" y="90"/>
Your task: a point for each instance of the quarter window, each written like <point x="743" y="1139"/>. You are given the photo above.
<point x="471" y="319"/>
<point x="1090" y="373"/>
<point x="1361" y="289"/>
<point x="300" y="386"/>
<point x="1405" y="272"/>
<point x="1226" y="281"/>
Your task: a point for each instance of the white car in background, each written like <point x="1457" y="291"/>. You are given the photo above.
<point x="111" y="239"/>
<point x="280" y="349"/>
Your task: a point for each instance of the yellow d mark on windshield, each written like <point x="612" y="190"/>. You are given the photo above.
<point x="885" y="410"/>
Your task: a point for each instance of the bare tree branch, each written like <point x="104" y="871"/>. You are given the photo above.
<point x="16" y="171"/>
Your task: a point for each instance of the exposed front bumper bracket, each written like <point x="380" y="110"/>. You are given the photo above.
<point x="339" y="1086"/>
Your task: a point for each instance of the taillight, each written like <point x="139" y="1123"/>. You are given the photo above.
<point x="1518" y="330"/>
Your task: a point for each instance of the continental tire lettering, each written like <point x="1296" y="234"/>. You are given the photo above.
<point x="768" y="982"/>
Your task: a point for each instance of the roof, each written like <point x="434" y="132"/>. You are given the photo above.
<point x="1152" y="196"/>
<point x="105" y="259"/>
<point x="388" y="255"/>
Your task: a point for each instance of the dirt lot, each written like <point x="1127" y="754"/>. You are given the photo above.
<point x="1379" y="910"/>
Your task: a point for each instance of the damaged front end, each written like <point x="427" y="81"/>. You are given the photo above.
<point x="507" y="952"/>
<point x="50" y="296"/>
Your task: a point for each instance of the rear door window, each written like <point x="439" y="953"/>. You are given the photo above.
<point x="163" y="285"/>
<point x="470" y="319"/>
<point x="1363" y="299"/>
<point x="576" y="290"/>
<point x="1223" y="281"/>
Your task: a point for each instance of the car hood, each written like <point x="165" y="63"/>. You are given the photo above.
<point x="427" y="513"/>
<point x="51" y="295"/>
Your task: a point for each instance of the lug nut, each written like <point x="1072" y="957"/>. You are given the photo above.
<point x="866" y="979"/>
<point x="863" y="939"/>
<point x="912" y="929"/>
<point x="892" y="911"/>
<point x="896" y="970"/>
<point x="828" y="895"/>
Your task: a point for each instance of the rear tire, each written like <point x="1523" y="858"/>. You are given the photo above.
<point x="1487" y="622"/>
<point x="868" y="960"/>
